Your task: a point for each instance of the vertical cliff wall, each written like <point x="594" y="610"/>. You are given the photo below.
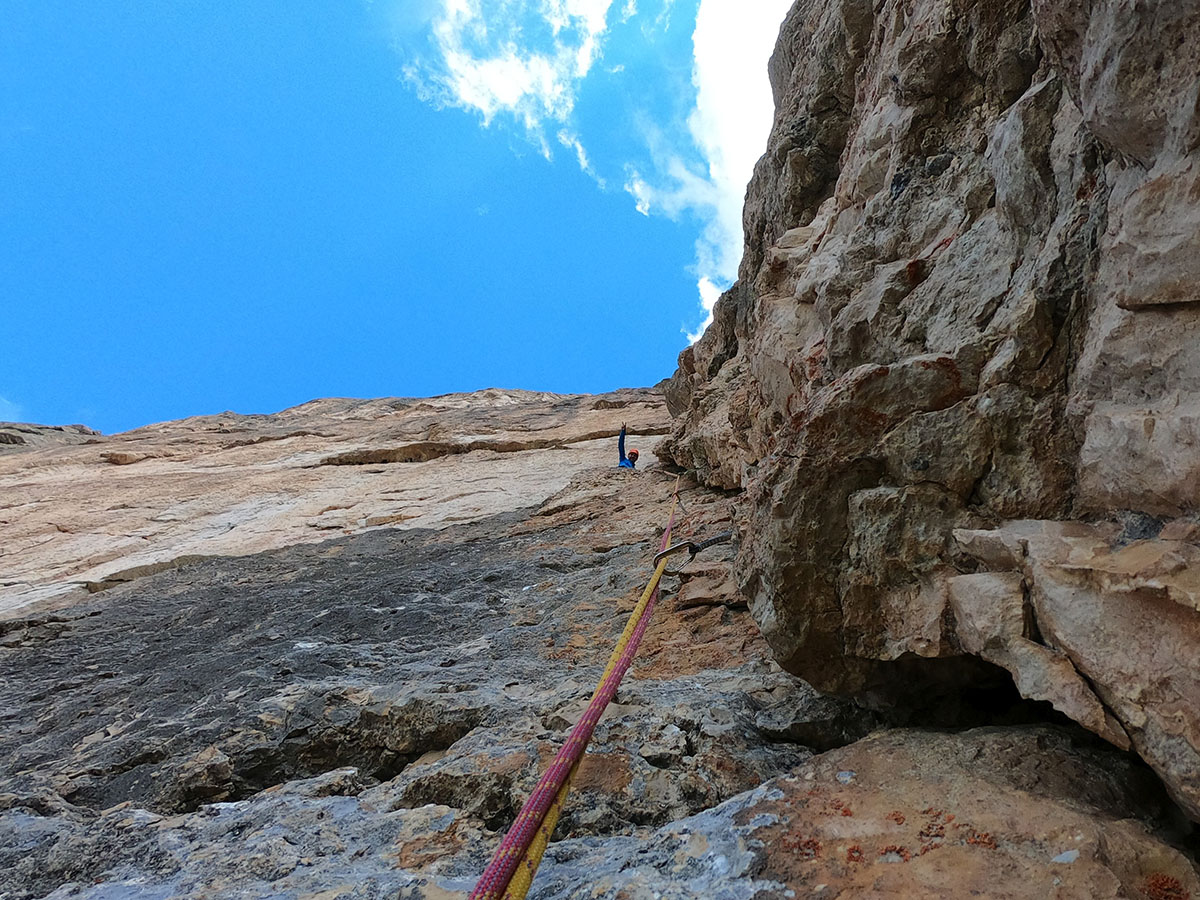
<point x="957" y="378"/>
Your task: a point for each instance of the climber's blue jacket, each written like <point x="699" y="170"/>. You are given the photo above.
<point x="626" y="462"/>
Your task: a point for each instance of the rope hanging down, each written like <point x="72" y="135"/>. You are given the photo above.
<point x="510" y="873"/>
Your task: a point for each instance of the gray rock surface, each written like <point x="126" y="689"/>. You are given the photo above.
<point x="358" y="711"/>
<point x="967" y="306"/>
<point x="988" y="813"/>
<point x="79" y="518"/>
<point x="23" y="436"/>
<point x="362" y="717"/>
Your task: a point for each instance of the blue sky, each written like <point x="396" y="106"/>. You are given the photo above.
<point x="213" y="206"/>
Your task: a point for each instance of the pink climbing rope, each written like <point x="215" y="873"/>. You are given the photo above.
<point x="496" y="877"/>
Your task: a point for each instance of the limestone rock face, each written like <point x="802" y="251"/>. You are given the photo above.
<point x="361" y="710"/>
<point x="362" y="715"/>
<point x="21" y="435"/>
<point x="83" y="511"/>
<point x="956" y="380"/>
<point x="1119" y="646"/>
<point x="990" y="813"/>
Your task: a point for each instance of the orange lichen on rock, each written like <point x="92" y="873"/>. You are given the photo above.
<point x="837" y="807"/>
<point x="981" y="839"/>
<point x="932" y="831"/>
<point x="605" y="772"/>
<point x="854" y="854"/>
<point x="896" y="816"/>
<point x="425" y="850"/>
<point x="806" y="848"/>
<point x="683" y="641"/>
<point x="899" y="851"/>
<point x="1160" y="886"/>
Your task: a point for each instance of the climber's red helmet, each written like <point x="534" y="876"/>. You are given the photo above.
<point x="633" y="454"/>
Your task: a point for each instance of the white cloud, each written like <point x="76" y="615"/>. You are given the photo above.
<point x="524" y="59"/>
<point x="663" y="19"/>
<point x="571" y="141"/>
<point x="709" y="294"/>
<point x="679" y="189"/>
<point x="729" y="126"/>
<point x="10" y="412"/>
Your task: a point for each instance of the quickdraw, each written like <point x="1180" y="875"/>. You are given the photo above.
<point x="692" y="548"/>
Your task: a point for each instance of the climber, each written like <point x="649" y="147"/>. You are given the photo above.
<point x="630" y="461"/>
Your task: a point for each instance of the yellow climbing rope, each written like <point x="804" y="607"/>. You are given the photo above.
<point x="522" y="878"/>
<point x="510" y="873"/>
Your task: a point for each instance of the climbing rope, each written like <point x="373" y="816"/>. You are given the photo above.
<point x="511" y="871"/>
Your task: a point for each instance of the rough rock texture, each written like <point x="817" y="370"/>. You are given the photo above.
<point x="991" y="813"/>
<point x="22" y="435"/>
<point x="326" y="653"/>
<point x="361" y="717"/>
<point x="957" y="377"/>
<point x="378" y="650"/>
<point x="988" y="813"/>
<point x="119" y="507"/>
<point x="354" y="711"/>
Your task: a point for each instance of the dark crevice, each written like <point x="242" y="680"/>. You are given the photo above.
<point x="423" y="451"/>
<point x="380" y="749"/>
<point x="955" y="694"/>
<point x="488" y="796"/>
